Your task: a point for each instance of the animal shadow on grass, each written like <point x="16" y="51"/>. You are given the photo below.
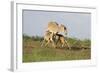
<point x="77" y="48"/>
<point x="74" y="48"/>
<point x="63" y="48"/>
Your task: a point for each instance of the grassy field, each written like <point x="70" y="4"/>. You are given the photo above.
<point x="33" y="52"/>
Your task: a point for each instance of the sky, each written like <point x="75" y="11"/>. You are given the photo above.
<point x="78" y="24"/>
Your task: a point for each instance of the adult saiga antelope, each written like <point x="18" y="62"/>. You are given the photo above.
<point x="55" y="28"/>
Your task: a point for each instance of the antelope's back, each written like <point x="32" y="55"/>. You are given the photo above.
<point x="53" y="27"/>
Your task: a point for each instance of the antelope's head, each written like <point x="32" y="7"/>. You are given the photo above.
<point x="62" y="28"/>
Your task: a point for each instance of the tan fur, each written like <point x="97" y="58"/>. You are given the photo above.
<point x="47" y="38"/>
<point x="55" y="28"/>
<point x="62" y="28"/>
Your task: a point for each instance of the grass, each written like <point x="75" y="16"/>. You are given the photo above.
<point x="33" y="52"/>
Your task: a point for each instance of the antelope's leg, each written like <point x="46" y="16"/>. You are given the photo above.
<point x="51" y="36"/>
<point x="53" y="44"/>
<point x="63" y="42"/>
<point x="43" y="43"/>
<point x="57" y="39"/>
<point x="52" y="39"/>
<point x="67" y="44"/>
<point x="62" y="45"/>
<point x="47" y="42"/>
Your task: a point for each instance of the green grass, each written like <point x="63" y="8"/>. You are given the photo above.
<point x="33" y="52"/>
